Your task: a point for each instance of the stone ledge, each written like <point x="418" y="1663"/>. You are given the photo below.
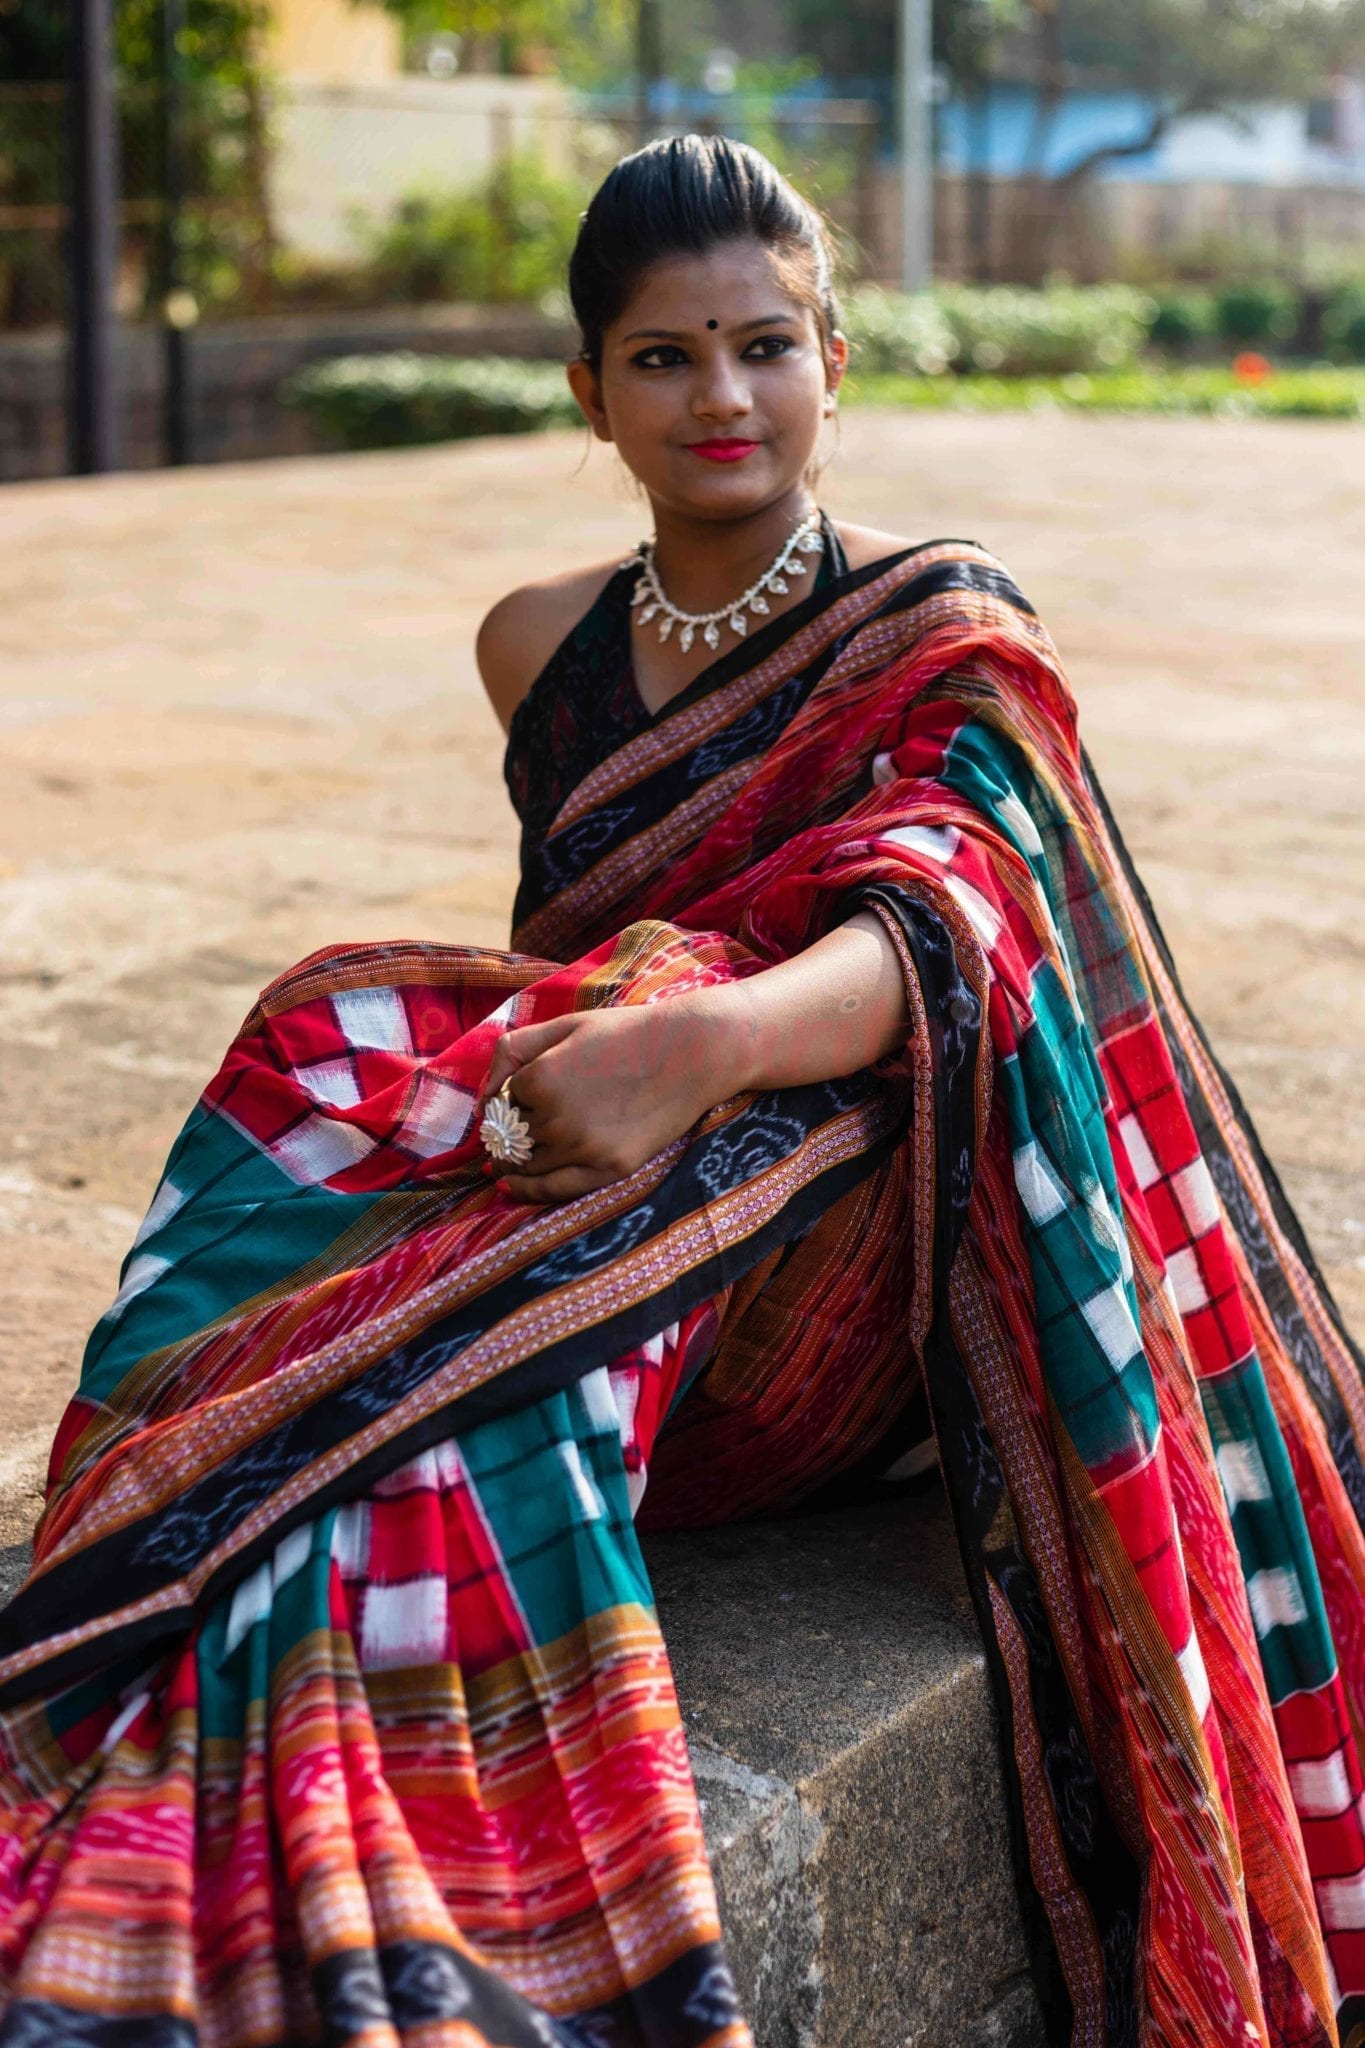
<point x="844" y="1746"/>
<point x="13" y="1564"/>
<point x="843" y="1742"/>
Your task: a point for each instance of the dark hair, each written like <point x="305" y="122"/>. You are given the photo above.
<point x="683" y="195"/>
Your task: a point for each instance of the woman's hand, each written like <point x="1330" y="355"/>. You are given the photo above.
<point x="604" y="1090"/>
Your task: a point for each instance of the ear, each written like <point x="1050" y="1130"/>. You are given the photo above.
<point x="586" y="387"/>
<point x="836" y="359"/>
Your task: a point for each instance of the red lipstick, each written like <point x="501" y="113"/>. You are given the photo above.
<point x="723" y="451"/>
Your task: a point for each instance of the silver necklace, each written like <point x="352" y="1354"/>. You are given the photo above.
<point x="804" y="539"/>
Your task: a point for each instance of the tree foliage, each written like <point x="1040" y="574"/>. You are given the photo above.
<point x="857" y="42"/>
<point x="222" y="237"/>
<point x="1198" y="56"/>
<point x="580" y="37"/>
<point x="220" y="42"/>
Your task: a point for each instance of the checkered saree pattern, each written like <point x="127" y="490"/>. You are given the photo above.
<point x="335" y="1706"/>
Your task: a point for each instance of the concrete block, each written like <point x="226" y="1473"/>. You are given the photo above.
<point x="14" y="1561"/>
<point x="843" y="1740"/>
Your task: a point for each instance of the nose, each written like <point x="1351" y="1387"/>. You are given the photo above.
<point x="722" y="392"/>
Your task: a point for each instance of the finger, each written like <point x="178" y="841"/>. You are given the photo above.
<point x="550" y="1159"/>
<point x="501" y="1067"/>
<point x="560" y="1186"/>
<point x="516" y="1049"/>
<point x="558" y="1148"/>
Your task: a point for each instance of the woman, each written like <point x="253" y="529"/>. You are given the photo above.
<point x="839" y="1066"/>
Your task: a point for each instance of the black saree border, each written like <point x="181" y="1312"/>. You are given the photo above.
<point x="565" y="856"/>
<point x="416" y="1984"/>
<point x="64" y="1596"/>
<point x="1098" y="1862"/>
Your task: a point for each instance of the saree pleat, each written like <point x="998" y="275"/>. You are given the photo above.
<point x="335" y="1706"/>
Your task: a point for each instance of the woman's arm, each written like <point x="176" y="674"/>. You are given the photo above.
<point x="605" y="1090"/>
<point x="836" y="1007"/>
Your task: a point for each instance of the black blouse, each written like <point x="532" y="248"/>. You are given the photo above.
<point x="585" y="701"/>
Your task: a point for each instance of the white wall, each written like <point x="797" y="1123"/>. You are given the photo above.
<point x="339" y="148"/>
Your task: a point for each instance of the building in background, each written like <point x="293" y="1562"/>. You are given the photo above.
<point x="353" y="132"/>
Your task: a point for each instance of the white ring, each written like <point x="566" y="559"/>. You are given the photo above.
<point x="505" y="1132"/>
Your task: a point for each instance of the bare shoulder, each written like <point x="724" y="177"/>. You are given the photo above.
<point x="522" y="630"/>
<point x="864" y="544"/>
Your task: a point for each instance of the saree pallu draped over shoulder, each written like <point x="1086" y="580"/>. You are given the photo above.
<point x="335" y="1708"/>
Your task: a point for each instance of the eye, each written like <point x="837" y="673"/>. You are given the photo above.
<point x="772" y="345"/>
<point x="644" y="357"/>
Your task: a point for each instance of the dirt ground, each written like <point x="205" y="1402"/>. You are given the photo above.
<point x="239" y="718"/>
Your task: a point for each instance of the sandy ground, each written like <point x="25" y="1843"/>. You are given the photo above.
<point x="239" y="718"/>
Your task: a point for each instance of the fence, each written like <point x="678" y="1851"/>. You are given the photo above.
<point x="298" y="228"/>
<point x="1021" y="230"/>
<point x="309" y="168"/>
<point x="225" y="219"/>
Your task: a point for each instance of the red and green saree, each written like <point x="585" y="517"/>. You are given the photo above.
<point x="335" y="1708"/>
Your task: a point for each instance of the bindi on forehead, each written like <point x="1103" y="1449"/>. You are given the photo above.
<point x="713" y="323"/>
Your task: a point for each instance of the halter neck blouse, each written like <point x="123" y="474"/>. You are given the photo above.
<point x="586" y="701"/>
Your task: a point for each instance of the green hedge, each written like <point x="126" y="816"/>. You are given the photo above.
<point x="1264" y="313"/>
<point x="898" y="333"/>
<point x="403" y="400"/>
<point x="1343" y="323"/>
<point x="399" y="401"/>
<point x="1002" y="330"/>
<point x="1182" y="317"/>
<point x="1258" y="312"/>
<point x="1008" y="331"/>
<point x="1321" y="392"/>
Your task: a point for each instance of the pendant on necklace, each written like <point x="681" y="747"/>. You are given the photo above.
<point x="649" y="593"/>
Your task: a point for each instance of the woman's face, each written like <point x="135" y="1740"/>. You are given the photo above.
<point x="713" y="350"/>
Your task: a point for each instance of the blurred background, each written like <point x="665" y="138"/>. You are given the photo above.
<point x="242" y="228"/>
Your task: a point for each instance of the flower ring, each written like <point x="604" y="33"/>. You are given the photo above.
<point x="504" y="1130"/>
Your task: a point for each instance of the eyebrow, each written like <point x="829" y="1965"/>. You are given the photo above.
<point x="684" y="334"/>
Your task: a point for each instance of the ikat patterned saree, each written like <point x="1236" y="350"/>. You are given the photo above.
<point x="335" y="1707"/>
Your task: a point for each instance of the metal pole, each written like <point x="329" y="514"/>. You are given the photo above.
<point x="648" y="63"/>
<point x="913" y="69"/>
<point x="981" y="266"/>
<point x="92" y="159"/>
<point x="178" y="310"/>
